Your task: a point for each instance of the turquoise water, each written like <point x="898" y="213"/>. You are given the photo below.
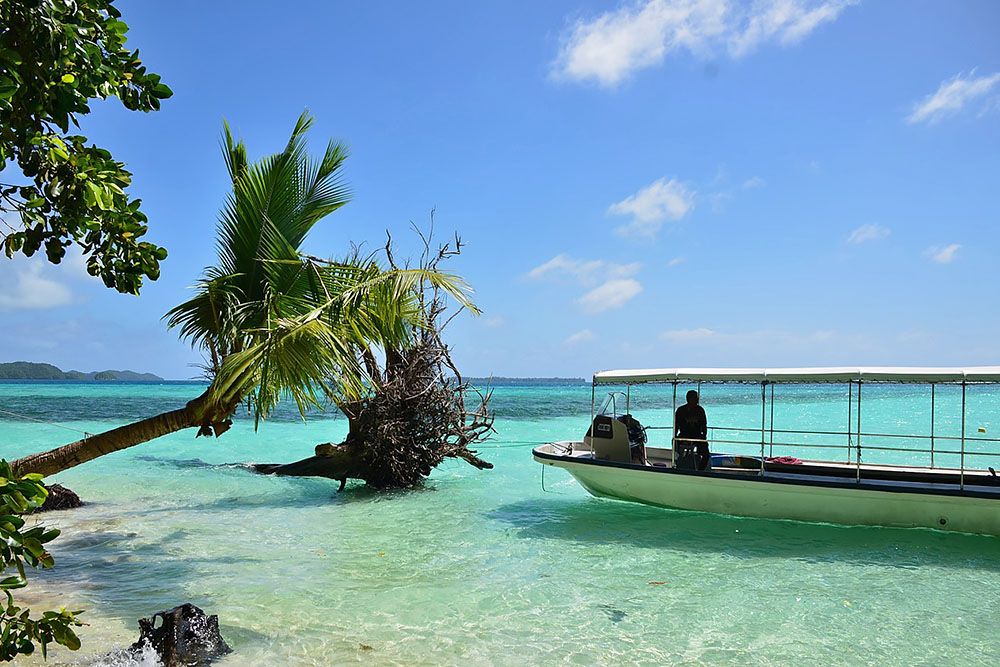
<point x="486" y="568"/>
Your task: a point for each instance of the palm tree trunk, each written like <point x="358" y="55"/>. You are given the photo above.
<point x="336" y="462"/>
<point x="123" y="437"/>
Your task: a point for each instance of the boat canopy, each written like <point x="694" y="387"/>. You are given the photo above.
<point x="895" y="374"/>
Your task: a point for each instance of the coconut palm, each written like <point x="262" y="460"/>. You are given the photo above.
<point x="272" y="321"/>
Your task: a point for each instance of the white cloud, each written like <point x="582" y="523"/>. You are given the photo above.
<point x="30" y="285"/>
<point x="676" y="261"/>
<point x="609" y="48"/>
<point x="615" y="283"/>
<point x="719" y="201"/>
<point x="785" y="21"/>
<point x="703" y="337"/>
<point x="952" y="96"/>
<point x="651" y="206"/>
<point x="753" y="182"/>
<point x="991" y="107"/>
<point x="583" y="336"/>
<point x="942" y="254"/>
<point x="495" y="322"/>
<point x="586" y="272"/>
<point x="866" y="233"/>
<point x="36" y="284"/>
<point x="612" y="294"/>
<point x="687" y="335"/>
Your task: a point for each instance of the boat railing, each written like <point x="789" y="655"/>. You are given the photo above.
<point x="855" y="451"/>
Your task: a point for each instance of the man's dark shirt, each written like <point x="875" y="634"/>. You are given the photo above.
<point x="691" y="422"/>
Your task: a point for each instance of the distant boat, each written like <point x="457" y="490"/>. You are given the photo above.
<point x="613" y="461"/>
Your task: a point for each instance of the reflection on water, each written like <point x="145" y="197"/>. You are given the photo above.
<point x="652" y="528"/>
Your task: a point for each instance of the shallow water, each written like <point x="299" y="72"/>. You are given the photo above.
<point x="484" y="567"/>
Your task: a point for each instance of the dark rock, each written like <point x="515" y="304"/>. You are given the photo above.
<point x="182" y="636"/>
<point x="60" y="498"/>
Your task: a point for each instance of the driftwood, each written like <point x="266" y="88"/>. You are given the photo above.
<point x="184" y="636"/>
<point x="416" y="413"/>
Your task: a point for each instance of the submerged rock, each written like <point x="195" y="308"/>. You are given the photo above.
<point x="182" y="636"/>
<point x="60" y="498"/>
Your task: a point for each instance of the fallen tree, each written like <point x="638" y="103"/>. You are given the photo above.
<point x="416" y="411"/>
<point x="273" y="322"/>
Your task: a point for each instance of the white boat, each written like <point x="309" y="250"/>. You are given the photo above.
<point x="613" y="460"/>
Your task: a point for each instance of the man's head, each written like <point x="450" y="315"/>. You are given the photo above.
<point x="692" y="397"/>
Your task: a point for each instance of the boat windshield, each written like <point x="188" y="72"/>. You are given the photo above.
<point x="613" y="403"/>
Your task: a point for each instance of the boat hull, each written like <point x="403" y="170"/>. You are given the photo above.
<point x="755" y="496"/>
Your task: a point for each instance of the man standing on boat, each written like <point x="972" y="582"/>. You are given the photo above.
<point x="691" y="429"/>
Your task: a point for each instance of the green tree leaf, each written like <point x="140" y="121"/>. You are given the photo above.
<point x="39" y="41"/>
<point x="20" y="633"/>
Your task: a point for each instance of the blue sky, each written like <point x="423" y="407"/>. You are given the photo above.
<point x="655" y="183"/>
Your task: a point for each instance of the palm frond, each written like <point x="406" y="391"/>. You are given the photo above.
<point x="278" y="323"/>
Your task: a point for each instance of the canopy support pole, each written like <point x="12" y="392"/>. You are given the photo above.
<point x="961" y="474"/>
<point x="673" y="424"/>
<point x="763" y="413"/>
<point x="859" y="431"/>
<point x="850" y="413"/>
<point x="932" y="423"/>
<point x="593" y="409"/>
<point x="771" y="439"/>
<point x="628" y="399"/>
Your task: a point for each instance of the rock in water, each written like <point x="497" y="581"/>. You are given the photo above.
<point x="60" y="498"/>
<point x="182" y="636"/>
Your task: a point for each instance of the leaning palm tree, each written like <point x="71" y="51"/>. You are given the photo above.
<point x="272" y="321"/>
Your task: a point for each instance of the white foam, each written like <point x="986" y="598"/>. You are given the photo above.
<point x="147" y="657"/>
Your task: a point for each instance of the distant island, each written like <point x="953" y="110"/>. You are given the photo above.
<point x="27" y="370"/>
<point x="508" y="381"/>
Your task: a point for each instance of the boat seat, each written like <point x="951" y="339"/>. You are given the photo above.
<point x="609" y="439"/>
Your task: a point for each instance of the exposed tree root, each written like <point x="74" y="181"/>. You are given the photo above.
<point x="415" y="415"/>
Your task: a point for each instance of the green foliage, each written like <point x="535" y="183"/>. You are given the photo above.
<point x="56" y="56"/>
<point x="276" y="322"/>
<point x="19" y="632"/>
